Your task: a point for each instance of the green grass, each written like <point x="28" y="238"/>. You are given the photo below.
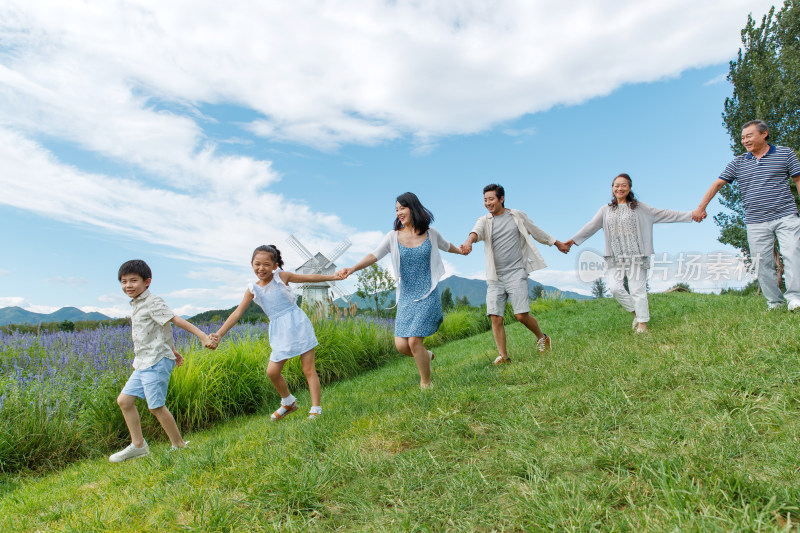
<point x="692" y="427"/>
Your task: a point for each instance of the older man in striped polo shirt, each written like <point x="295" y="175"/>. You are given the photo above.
<point x="770" y="211"/>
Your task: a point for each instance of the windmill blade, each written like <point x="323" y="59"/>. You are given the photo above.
<point x="337" y="252"/>
<point x="300" y="249"/>
<point x="340" y="293"/>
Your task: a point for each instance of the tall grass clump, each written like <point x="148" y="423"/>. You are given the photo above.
<point x="458" y="324"/>
<point x="215" y="385"/>
<point x="58" y="390"/>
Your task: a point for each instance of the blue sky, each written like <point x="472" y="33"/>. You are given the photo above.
<point x="188" y="135"/>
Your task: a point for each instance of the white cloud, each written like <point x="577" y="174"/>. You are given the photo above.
<point x="5" y="272"/>
<point x="112" y="298"/>
<point x="517" y="132"/>
<point x="190" y="310"/>
<point x="565" y="280"/>
<point x="722" y="78"/>
<point x="449" y="268"/>
<point x="115" y="311"/>
<point x="13" y="301"/>
<point x="43" y="309"/>
<point x="216" y="226"/>
<point x="341" y="72"/>
<point x="480" y="274"/>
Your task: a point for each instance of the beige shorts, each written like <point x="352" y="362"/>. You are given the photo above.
<point x="511" y="287"/>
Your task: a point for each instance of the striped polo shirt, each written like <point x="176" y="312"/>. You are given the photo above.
<point x="764" y="183"/>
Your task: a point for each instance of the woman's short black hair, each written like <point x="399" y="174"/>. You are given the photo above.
<point x="270" y="249"/>
<point x="135" y="266"/>
<point x="421" y="217"/>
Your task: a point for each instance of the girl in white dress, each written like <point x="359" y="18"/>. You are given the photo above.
<point x="290" y="331"/>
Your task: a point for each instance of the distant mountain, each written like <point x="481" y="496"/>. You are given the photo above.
<point x="18" y="315"/>
<point x="252" y="313"/>
<point x="473" y="289"/>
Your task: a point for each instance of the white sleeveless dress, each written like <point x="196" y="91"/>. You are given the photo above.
<point x="290" y="331"/>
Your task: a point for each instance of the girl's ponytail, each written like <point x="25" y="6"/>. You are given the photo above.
<point x="270" y="249"/>
<point x="277" y="255"/>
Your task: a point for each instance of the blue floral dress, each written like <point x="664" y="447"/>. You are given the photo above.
<point x="415" y="317"/>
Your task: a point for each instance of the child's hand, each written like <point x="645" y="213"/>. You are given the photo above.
<point x="178" y="357"/>
<point x="208" y="342"/>
<point x="213" y="341"/>
<point x="343" y="273"/>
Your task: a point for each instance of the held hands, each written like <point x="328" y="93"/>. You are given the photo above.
<point x="699" y="214"/>
<point x="211" y="341"/>
<point x="564" y="247"/>
<point x="465" y="248"/>
<point x="344" y="273"/>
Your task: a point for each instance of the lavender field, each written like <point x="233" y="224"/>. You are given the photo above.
<point x="58" y="390"/>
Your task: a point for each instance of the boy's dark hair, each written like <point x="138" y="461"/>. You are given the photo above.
<point x="270" y="249"/>
<point x="421" y="217"/>
<point x="498" y="190"/>
<point x="135" y="266"/>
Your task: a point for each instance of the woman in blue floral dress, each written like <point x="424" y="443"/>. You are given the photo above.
<point x="417" y="266"/>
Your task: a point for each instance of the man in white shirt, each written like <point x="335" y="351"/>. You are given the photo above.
<point x="510" y="257"/>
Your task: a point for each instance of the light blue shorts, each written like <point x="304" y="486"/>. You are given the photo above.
<point x="151" y="383"/>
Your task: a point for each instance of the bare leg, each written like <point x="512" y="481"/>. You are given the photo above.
<point x="413" y="347"/>
<point x="499" y="331"/>
<point x="529" y="322"/>
<point x="127" y="404"/>
<point x="423" y="360"/>
<point x="274" y="373"/>
<point x="401" y="343"/>
<point x="168" y="423"/>
<point x="314" y="389"/>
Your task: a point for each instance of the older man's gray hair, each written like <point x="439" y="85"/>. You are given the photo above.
<point x="762" y="126"/>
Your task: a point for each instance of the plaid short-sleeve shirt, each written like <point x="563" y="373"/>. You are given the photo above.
<point x="151" y="330"/>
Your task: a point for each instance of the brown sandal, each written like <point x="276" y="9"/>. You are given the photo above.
<point x="501" y="360"/>
<point x="287" y="409"/>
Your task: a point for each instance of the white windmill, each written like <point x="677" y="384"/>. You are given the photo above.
<point x="319" y="264"/>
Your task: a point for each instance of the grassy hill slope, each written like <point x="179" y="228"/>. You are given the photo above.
<point x="691" y="427"/>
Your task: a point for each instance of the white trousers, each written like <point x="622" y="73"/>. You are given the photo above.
<point x="761" y="238"/>
<point x="636" y="299"/>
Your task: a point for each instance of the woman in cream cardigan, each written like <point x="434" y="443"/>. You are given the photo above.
<point x="414" y="247"/>
<point x="628" y="228"/>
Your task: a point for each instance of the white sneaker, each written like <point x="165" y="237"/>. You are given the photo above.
<point x="176" y="448"/>
<point x="131" y="452"/>
<point x="544" y="343"/>
<point x="794" y="305"/>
